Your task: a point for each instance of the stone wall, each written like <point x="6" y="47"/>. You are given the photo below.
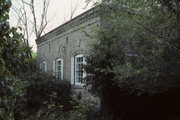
<point x="66" y="41"/>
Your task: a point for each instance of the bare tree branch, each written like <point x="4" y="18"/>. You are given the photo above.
<point x="34" y="18"/>
<point x="74" y="9"/>
<point x="31" y="23"/>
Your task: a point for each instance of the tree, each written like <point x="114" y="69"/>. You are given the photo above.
<point x="135" y="65"/>
<point x="38" y="24"/>
<point x="30" y="22"/>
<point x="74" y="8"/>
<point x="12" y="55"/>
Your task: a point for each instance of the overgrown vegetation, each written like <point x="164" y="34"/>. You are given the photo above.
<point x="134" y="66"/>
<point x="12" y="56"/>
<point x="41" y="91"/>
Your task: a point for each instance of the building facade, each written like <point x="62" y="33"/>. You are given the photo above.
<point x="62" y="51"/>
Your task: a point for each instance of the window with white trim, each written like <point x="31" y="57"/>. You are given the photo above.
<point x="59" y="69"/>
<point x="44" y="66"/>
<point x="54" y="67"/>
<point x="40" y="66"/>
<point x="79" y="72"/>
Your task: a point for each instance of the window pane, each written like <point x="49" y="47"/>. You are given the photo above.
<point x="80" y="66"/>
<point x="43" y="66"/>
<point x="81" y="59"/>
<point x="77" y="66"/>
<point x="59" y="62"/>
<point x="59" y="68"/>
<point x="59" y="75"/>
<point x="77" y="79"/>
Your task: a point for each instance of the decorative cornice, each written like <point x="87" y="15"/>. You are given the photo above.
<point x="80" y="19"/>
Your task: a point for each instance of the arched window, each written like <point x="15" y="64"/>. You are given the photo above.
<point x="44" y="66"/>
<point x="59" y="69"/>
<point x="79" y="71"/>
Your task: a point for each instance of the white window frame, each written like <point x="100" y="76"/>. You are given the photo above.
<point x="56" y="68"/>
<point x="44" y="66"/>
<point x="76" y="70"/>
<point x="40" y="66"/>
<point x="72" y="70"/>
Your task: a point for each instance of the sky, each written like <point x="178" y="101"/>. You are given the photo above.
<point x="58" y="13"/>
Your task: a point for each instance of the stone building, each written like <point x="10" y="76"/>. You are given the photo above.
<point x="61" y="51"/>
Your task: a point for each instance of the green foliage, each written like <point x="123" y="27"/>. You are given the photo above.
<point x="34" y="55"/>
<point x="42" y="91"/>
<point x="135" y="61"/>
<point x="27" y="67"/>
<point x="150" y="46"/>
<point x="82" y="110"/>
<point x="12" y="55"/>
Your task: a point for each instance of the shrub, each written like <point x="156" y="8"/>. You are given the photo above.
<point x="43" y="92"/>
<point x="82" y="110"/>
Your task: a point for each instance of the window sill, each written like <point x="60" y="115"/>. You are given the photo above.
<point x="79" y="86"/>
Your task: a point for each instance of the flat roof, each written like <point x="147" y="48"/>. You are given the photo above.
<point x="66" y="23"/>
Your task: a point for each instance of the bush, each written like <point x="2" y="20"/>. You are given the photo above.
<point x="42" y="91"/>
<point x="82" y="110"/>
